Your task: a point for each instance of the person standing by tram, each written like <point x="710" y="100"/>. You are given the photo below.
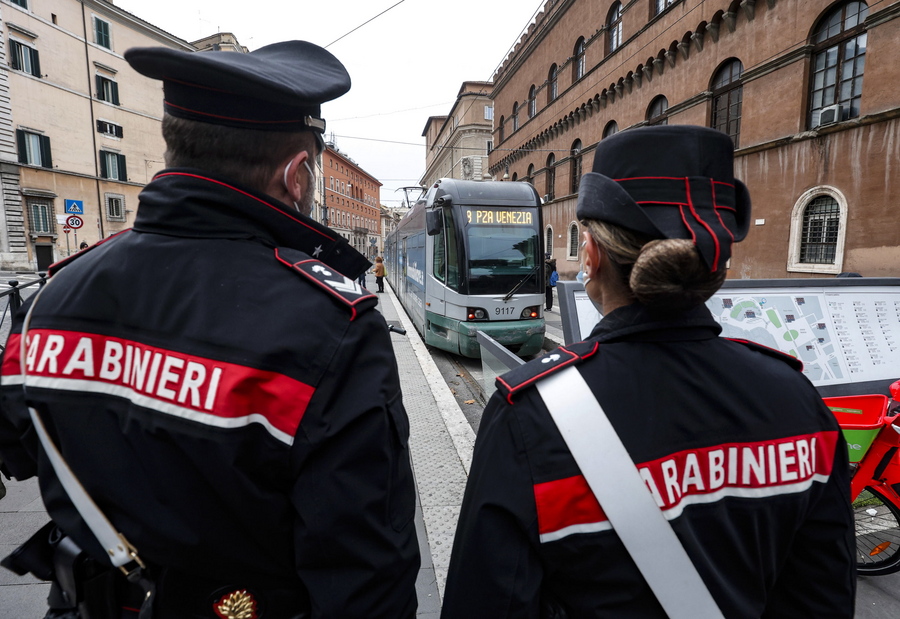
<point x="379" y="273"/>
<point x="550" y="277"/>
<point x="734" y="444"/>
<point x="214" y="378"/>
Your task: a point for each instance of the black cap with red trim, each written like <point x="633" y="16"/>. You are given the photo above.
<point x="669" y="182"/>
<point x="279" y="87"/>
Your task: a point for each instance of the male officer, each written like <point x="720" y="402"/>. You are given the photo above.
<point x="215" y="377"/>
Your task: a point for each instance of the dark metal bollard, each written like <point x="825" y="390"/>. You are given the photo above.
<point x="15" y="297"/>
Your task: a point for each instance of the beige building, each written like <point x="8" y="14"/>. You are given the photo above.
<point x="79" y="129"/>
<point x="458" y="145"/>
<point x="807" y="89"/>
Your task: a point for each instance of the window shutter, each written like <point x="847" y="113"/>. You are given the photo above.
<point x="99" y="83"/>
<point x="119" y="132"/>
<point x="35" y="63"/>
<point x="115" y="92"/>
<point x="46" y="157"/>
<point x="123" y="172"/>
<point x="20" y="141"/>
<point x="14" y="51"/>
<point x="100" y="126"/>
<point x="103" y="172"/>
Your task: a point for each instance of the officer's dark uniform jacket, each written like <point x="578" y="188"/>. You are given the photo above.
<point x="735" y="445"/>
<point x="229" y="400"/>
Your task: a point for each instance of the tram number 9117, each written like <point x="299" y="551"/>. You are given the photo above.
<point x="479" y="216"/>
<point x="504" y="311"/>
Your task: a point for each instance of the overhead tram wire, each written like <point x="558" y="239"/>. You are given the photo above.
<point x="364" y="23"/>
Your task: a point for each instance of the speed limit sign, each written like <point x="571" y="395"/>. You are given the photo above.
<point x="74" y="222"/>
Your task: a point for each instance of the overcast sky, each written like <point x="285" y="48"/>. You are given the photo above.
<point x="406" y="65"/>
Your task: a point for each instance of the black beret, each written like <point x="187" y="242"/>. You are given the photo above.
<point x="279" y="87"/>
<point x="669" y="182"/>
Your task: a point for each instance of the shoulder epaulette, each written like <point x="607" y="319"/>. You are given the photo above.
<point x="794" y="362"/>
<point x="55" y="268"/>
<point x="339" y="287"/>
<point x="528" y="374"/>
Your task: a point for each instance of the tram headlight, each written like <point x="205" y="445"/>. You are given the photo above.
<point x="476" y="313"/>
<point x="531" y="312"/>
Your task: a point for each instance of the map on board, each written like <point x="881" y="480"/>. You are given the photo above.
<point x="842" y="335"/>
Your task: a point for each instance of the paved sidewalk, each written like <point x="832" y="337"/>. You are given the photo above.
<point x="441" y="442"/>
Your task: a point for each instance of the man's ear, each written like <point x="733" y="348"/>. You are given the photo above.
<point x="295" y="176"/>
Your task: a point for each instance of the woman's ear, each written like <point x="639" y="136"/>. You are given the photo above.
<point x="592" y="255"/>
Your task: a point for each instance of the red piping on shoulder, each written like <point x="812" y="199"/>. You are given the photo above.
<point x="332" y="292"/>
<point x="572" y="359"/>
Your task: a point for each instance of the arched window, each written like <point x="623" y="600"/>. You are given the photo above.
<point x="839" y="58"/>
<point x="657" y="113"/>
<point x="576" y="166"/>
<point x="552" y="83"/>
<point x="727" y="94"/>
<point x="573" y="240"/>
<point x="614" y="28"/>
<point x="611" y="128"/>
<point x="530" y="178"/>
<point x="502" y="128"/>
<point x="551" y="177"/>
<point x="532" y="104"/>
<point x="578" y="64"/>
<point x="661" y="5"/>
<point x="548" y="238"/>
<point x="515" y="176"/>
<point x="818" y="229"/>
<point x="515" y="117"/>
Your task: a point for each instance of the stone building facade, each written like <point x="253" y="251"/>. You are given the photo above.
<point x="806" y="88"/>
<point x="457" y="145"/>
<point x="79" y="129"/>
<point x="351" y="203"/>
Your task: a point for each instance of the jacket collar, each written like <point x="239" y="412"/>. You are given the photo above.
<point x="637" y="323"/>
<point x="191" y="203"/>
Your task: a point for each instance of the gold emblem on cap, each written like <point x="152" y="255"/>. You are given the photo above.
<point x="236" y="605"/>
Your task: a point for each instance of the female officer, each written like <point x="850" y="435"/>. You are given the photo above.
<point x="733" y="443"/>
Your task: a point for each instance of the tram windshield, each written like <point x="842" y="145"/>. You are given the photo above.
<point x="502" y="249"/>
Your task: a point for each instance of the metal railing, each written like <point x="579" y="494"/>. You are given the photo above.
<point x="496" y="359"/>
<point x="14" y="300"/>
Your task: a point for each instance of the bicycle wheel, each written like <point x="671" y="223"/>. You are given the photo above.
<point x="877" y="534"/>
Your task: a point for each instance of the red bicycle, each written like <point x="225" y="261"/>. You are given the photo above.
<point x="871" y="426"/>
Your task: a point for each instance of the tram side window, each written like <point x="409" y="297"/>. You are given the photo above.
<point x="452" y="251"/>
<point x="440" y="257"/>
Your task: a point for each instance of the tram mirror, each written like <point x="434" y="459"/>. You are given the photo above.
<point x="433" y="222"/>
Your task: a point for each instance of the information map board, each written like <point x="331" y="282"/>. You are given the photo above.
<point x="845" y="330"/>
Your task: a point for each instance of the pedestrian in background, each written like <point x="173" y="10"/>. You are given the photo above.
<point x="232" y="407"/>
<point x="379" y="273"/>
<point x="550" y="276"/>
<point x="696" y="413"/>
<point x="83" y="245"/>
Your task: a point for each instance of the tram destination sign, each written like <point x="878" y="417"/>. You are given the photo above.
<point x="492" y="216"/>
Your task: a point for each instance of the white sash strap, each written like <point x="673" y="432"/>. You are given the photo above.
<point x="121" y="553"/>
<point x="624" y="497"/>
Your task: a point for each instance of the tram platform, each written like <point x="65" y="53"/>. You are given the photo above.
<point x="441" y="443"/>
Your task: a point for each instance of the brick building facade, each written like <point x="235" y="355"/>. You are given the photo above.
<point x="806" y="88"/>
<point x="351" y="204"/>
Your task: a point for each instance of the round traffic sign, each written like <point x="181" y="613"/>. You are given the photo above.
<point x="74" y="221"/>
